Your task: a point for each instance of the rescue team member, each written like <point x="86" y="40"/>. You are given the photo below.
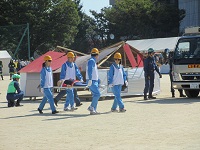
<point x="170" y="60"/>
<point x="46" y="84"/>
<point x="92" y="79"/>
<point x="62" y="93"/>
<point x="149" y="68"/>
<point x="11" y="92"/>
<point x="69" y="71"/>
<point x="1" y="68"/>
<point x="117" y="78"/>
<point x="11" y="66"/>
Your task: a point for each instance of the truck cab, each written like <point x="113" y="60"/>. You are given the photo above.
<point x="186" y="63"/>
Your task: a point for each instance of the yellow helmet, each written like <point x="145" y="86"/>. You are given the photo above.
<point x="70" y="55"/>
<point x="117" y="56"/>
<point x="95" y="51"/>
<point x="47" y="57"/>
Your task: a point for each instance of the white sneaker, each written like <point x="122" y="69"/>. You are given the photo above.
<point x="67" y="109"/>
<point x="92" y="111"/>
<point x="73" y="108"/>
<point x="114" y="110"/>
<point x="122" y="110"/>
<point x="90" y="108"/>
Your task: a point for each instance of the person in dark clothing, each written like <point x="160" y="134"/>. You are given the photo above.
<point x="170" y="61"/>
<point x="19" y="66"/>
<point x="11" y="66"/>
<point x="149" y="68"/>
<point x="62" y="93"/>
<point x="11" y="92"/>
<point x="1" y="70"/>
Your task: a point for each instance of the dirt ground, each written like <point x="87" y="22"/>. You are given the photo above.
<point x="162" y="124"/>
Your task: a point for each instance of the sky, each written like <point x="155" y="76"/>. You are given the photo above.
<point x="96" y="5"/>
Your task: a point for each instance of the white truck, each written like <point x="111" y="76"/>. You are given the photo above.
<point x="186" y="63"/>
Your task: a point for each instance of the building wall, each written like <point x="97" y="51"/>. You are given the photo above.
<point x="192" y="18"/>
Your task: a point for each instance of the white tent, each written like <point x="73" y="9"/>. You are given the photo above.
<point x="5" y="58"/>
<point x="158" y="44"/>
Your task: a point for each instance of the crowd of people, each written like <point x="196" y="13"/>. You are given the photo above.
<point x="14" y="66"/>
<point x="69" y="72"/>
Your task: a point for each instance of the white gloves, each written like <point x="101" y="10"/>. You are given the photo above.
<point x="110" y="85"/>
<point x="126" y="83"/>
<point x="89" y="83"/>
<point x="42" y="90"/>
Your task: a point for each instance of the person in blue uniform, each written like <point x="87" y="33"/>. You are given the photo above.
<point x="46" y="84"/>
<point x="117" y="77"/>
<point x="149" y="68"/>
<point x="92" y="80"/>
<point x="62" y="93"/>
<point x="70" y="71"/>
<point x="11" y="92"/>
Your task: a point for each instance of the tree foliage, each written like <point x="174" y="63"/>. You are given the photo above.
<point x="130" y="19"/>
<point x="52" y="22"/>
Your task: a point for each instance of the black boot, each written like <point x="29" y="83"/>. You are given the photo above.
<point x="55" y="112"/>
<point x="18" y="104"/>
<point x="40" y="111"/>
<point x="145" y="97"/>
<point x="10" y="104"/>
<point x="173" y="94"/>
<point x="182" y="95"/>
<point x="55" y="102"/>
<point x="79" y="104"/>
<point x="151" y="97"/>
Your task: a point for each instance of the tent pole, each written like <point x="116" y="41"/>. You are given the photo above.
<point x="124" y="59"/>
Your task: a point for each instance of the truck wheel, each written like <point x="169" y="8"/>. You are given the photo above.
<point x="192" y="93"/>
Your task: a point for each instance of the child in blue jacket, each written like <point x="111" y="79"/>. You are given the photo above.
<point x="117" y="78"/>
<point x="46" y="84"/>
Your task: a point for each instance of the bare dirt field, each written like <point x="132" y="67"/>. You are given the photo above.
<point x="162" y="124"/>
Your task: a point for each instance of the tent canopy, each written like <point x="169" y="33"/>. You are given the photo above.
<point x="4" y="54"/>
<point x="158" y="44"/>
<point x="57" y="60"/>
<point x="5" y="58"/>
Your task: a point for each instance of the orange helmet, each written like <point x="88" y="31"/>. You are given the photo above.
<point x="47" y="57"/>
<point x="117" y="56"/>
<point x="70" y="55"/>
<point x="95" y="51"/>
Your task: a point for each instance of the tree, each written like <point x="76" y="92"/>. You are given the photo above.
<point x="137" y="19"/>
<point x="52" y="23"/>
<point x="87" y="36"/>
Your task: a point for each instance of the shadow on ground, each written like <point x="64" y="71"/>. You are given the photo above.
<point x="167" y="101"/>
<point x="59" y="116"/>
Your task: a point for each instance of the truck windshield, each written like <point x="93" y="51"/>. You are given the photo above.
<point x="187" y="48"/>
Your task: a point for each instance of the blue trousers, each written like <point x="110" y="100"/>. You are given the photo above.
<point x="94" y="88"/>
<point x="63" y="93"/>
<point x="47" y="95"/>
<point x="117" y="101"/>
<point x="69" y="98"/>
<point x="11" y="97"/>
<point x="149" y="84"/>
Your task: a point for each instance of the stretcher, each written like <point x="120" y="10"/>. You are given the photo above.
<point x="70" y="87"/>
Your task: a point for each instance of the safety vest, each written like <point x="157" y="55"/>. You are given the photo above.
<point x="11" y="88"/>
<point x="118" y="78"/>
<point x="95" y="75"/>
<point x="48" y="79"/>
<point x="70" y="72"/>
